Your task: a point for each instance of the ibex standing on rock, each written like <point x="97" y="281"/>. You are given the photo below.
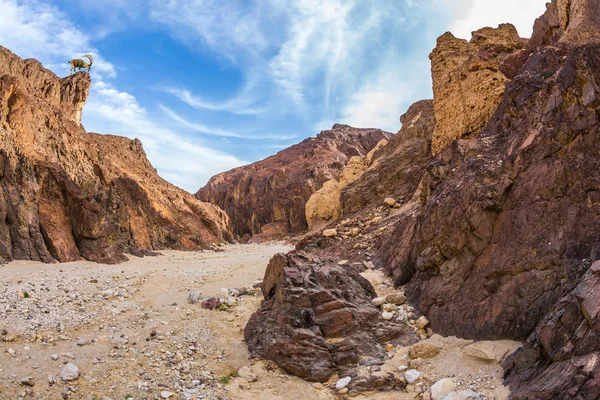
<point x="79" y="63"/>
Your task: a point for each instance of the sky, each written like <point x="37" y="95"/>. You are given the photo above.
<point x="210" y="85"/>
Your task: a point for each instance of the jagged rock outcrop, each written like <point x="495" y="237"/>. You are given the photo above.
<point x="268" y="197"/>
<point x="469" y="81"/>
<point x="561" y="359"/>
<point x="317" y="319"/>
<point x="66" y="194"/>
<point x="325" y="204"/>
<point x="509" y="216"/>
<point x="567" y="21"/>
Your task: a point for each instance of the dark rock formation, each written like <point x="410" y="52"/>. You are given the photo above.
<point x="317" y="319"/>
<point x="509" y="216"/>
<point x="561" y="359"/>
<point x="269" y="196"/>
<point x="66" y="194"/>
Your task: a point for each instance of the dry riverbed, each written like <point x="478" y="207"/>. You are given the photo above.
<point x="128" y="331"/>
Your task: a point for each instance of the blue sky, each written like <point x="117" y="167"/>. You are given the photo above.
<point x="209" y="85"/>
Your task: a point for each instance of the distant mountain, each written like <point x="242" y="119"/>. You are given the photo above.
<point x="268" y="198"/>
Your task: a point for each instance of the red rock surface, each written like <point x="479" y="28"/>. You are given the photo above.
<point x="308" y="303"/>
<point x="269" y="196"/>
<point x="66" y="194"/>
<point x="565" y="344"/>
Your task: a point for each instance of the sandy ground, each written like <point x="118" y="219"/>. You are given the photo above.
<point x="132" y="334"/>
<point x="99" y="318"/>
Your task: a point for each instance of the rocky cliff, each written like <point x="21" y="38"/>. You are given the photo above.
<point x="468" y="80"/>
<point x="268" y="197"/>
<point x="496" y="236"/>
<point x="66" y="193"/>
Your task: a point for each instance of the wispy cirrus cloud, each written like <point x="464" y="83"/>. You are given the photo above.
<point x="314" y="58"/>
<point x="218" y="131"/>
<point x="241" y="104"/>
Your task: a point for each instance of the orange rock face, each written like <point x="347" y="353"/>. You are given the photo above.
<point x="468" y="82"/>
<point x="66" y="193"/>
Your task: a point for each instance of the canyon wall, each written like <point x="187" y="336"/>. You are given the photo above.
<point x="268" y="198"/>
<point x="497" y="234"/>
<point x="66" y="193"/>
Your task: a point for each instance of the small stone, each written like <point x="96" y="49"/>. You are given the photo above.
<point x="412" y="375"/>
<point x="70" y="372"/>
<point x="468" y="394"/>
<point x="390" y="202"/>
<point x="342" y="383"/>
<point x="402" y="368"/>
<point x="246" y="373"/>
<point x="343" y="391"/>
<point x="389" y="307"/>
<point x="211" y="303"/>
<point x="354" y="232"/>
<point x="194" y="297"/>
<point x="595" y="268"/>
<point x="12" y="351"/>
<point x="165" y="394"/>
<point x="27" y="381"/>
<point x="422" y="322"/>
<point x="318" y="386"/>
<point x="54" y="357"/>
<point x="329" y="233"/>
<point x="388" y="316"/>
<point x="396" y="298"/>
<point x="378" y="301"/>
<point x="423" y="350"/>
<point x="442" y="387"/>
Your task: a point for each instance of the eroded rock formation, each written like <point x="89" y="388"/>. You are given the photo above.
<point x="268" y="197"/>
<point x="325" y="204"/>
<point x="468" y="80"/>
<point x="66" y="194"/>
<point x="565" y="344"/>
<point x="317" y="319"/>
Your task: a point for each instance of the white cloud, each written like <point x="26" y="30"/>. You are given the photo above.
<point x="179" y="160"/>
<point x="217" y="131"/>
<point x="476" y="14"/>
<point x="238" y="105"/>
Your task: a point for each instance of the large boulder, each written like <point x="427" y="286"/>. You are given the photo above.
<point x="325" y="205"/>
<point x="317" y="319"/>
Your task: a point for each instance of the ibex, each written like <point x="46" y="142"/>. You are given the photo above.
<point x="79" y="63"/>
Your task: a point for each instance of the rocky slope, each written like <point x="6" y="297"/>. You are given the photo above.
<point x="496" y="235"/>
<point x="268" y="198"/>
<point x="67" y="194"/>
